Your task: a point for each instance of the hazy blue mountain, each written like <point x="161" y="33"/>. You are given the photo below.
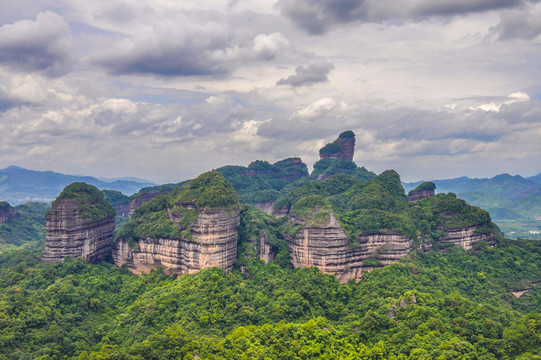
<point x="535" y="179"/>
<point x="514" y="202"/>
<point x="18" y="185"/>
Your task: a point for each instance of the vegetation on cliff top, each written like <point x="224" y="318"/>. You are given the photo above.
<point x="380" y="205"/>
<point x="347" y="134"/>
<point x="261" y="175"/>
<point x="330" y="148"/>
<point x="329" y="167"/>
<point x="151" y="219"/>
<point x="90" y="201"/>
<point x="427" y="185"/>
<point x="209" y="189"/>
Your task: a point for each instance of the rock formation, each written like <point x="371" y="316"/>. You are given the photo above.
<point x="341" y="148"/>
<point x="465" y="237"/>
<point x="79" y="224"/>
<point x="140" y="199"/>
<point x="423" y="191"/>
<point x="266" y="206"/>
<point x="214" y="243"/>
<point x="327" y="247"/>
<point x="6" y="212"/>
<point x="202" y="219"/>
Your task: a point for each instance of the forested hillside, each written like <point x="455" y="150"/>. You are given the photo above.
<point x="453" y="305"/>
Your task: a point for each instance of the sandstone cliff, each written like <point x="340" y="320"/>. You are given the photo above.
<point x="140" y="199"/>
<point x="78" y="228"/>
<point x="423" y="191"/>
<point x="214" y="243"/>
<point x="194" y="228"/>
<point x="465" y="237"/>
<point x="327" y="247"/>
<point x="341" y="148"/>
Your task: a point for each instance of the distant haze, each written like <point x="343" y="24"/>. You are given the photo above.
<point x="165" y="90"/>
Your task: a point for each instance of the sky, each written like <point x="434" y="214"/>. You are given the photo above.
<point x="165" y="90"/>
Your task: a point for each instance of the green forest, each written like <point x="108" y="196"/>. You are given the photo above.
<point x="446" y="303"/>
<point x="452" y="305"/>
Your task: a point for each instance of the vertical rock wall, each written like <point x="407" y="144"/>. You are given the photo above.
<point x="69" y="234"/>
<point x="214" y="243"/>
<point x="328" y="248"/>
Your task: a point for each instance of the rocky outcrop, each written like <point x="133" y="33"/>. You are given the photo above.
<point x="193" y="228"/>
<point x="213" y="243"/>
<point x="6" y="212"/>
<point x="423" y="191"/>
<point x="71" y="234"/>
<point x="140" y="199"/>
<point x="341" y="148"/>
<point x="266" y="206"/>
<point x="465" y="237"/>
<point x="122" y="210"/>
<point x="328" y="248"/>
<point x="420" y="195"/>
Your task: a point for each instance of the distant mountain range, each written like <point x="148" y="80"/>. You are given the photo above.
<point x="514" y="202"/>
<point x="18" y="185"/>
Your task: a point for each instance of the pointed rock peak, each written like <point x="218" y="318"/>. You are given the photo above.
<point x="341" y="148"/>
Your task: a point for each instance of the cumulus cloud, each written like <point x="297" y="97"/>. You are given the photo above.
<point x="308" y="75"/>
<point x="40" y="45"/>
<point x="183" y="44"/>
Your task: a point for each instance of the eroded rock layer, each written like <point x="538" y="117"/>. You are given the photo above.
<point x="213" y="243"/>
<point x="70" y="234"/>
<point x="420" y="195"/>
<point x="465" y="237"/>
<point x="140" y="199"/>
<point x="328" y="248"/>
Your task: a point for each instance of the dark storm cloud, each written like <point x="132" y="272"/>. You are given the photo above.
<point x="308" y="75"/>
<point x="317" y="17"/>
<point x="428" y="8"/>
<point x="40" y="45"/>
<point x="517" y="24"/>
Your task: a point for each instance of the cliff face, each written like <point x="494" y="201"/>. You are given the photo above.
<point x="266" y="206"/>
<point x="70" y="234"/>
<point x="140" y="199"/>
<point x="7" y="213"/>
<point x="123" y="210"/>
<point x="341" y="148"/>
<point x="327" y="247"/>
<point x="420" y="195"/>
<point x="465" y="237"/>
<point x="214" y="243"/>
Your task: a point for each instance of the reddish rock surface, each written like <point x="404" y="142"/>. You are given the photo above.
<point x="341" y="148"/>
